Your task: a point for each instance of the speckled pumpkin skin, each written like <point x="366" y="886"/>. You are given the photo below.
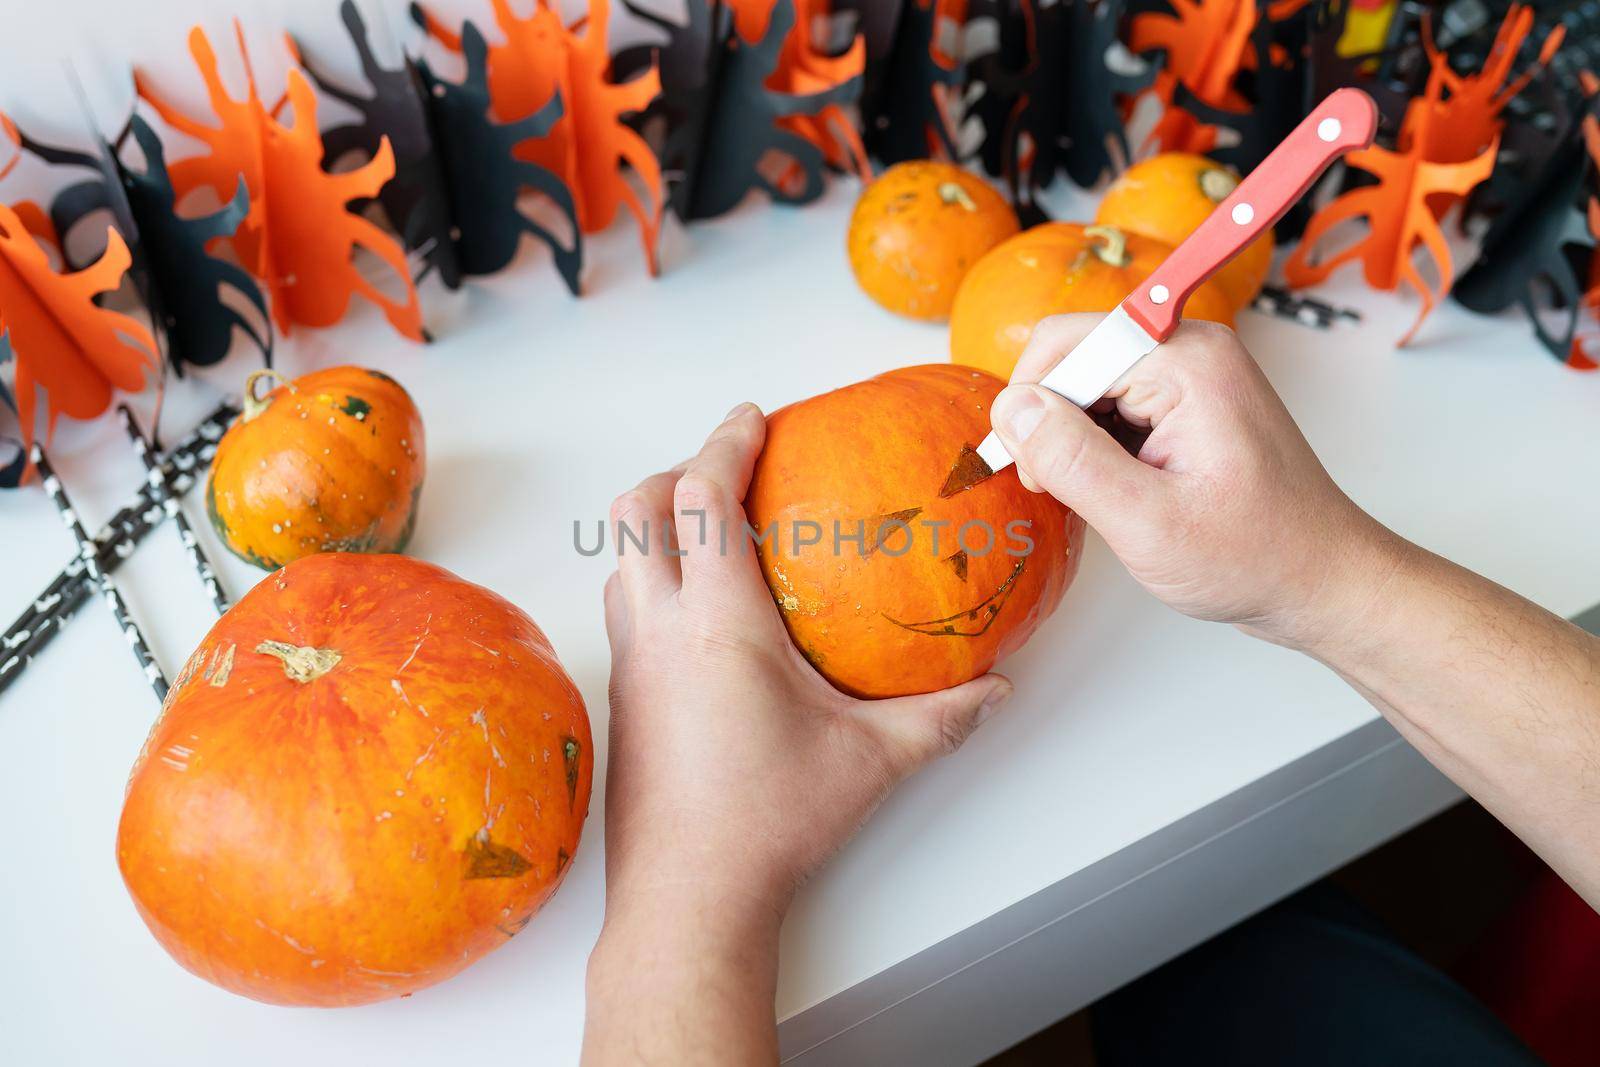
<point x="1049" y="270"/>
<point x="334" y="463"/>
<point x="370" y="831"/>
<point x="1167" y="196"/>
<point x="876" y="623"/>
<point x="918" y="229"/>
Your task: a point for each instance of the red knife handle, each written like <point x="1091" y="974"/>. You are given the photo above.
<point x="1346" y="120"/>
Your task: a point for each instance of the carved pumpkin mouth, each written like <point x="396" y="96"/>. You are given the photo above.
<point x="973" y="621"/>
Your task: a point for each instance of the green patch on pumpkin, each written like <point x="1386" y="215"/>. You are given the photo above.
<point x="356" y="408"/>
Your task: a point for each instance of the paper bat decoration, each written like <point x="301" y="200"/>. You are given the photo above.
<point x="1397" y="213"/>
<point x="416" y="200"/>
<point x="805" y="69"/>
<point x="484" y="178"/>
<point x="1538" y="253"/>
<point x="590" y="147"/>
<point x="911" y="80"/>
<point x="1537" y="124"/>
<point x="734" y="124"/>
<point x="1060" y="108"/>
<point x="60" y="340"/>
<point x="299" y="234"/>
<point x="1206" y="43"/>
<point x="1274" y="84"/>
<point x="180" y="282"/>
<point x="998" y="77"/>
<point x="1468" y="107"/>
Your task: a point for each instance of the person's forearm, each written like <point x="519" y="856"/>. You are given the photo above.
<point x="1498" y="693"/>
<point x="683" y="978"/>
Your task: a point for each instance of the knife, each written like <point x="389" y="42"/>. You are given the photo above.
<point x="1346" y="120"/>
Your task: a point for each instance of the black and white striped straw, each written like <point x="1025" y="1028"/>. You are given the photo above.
<point x="162" y="493"/>
<point x="88" y="552"/>
<point x="42" y="619"/>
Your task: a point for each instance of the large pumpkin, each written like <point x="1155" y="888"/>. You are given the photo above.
<point x="918" y="229"/>
<point x="1050" y="270"/>
<point x="1167" y="196"/>
<point x="369" y="774"/>
<point x="922" y="576"/>
<point x="330" y="462"/>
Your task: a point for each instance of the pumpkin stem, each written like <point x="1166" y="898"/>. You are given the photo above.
<point x="1115" y="249"/>
<point x="953" y="193"/>
<point x="301" y="663"/>
<point x="1217" y="183"/>
<point x="254" y="405"/>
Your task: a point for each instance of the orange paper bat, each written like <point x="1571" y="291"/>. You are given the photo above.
<point x="300" y="235"/>
<point x="61" y="341"/>
<point x="1468" y="106"/>
<point x="589" y="145"/>
<point x="1397" y="215"/>
<point x="804" y="69"/>
<point x="1206" y="43"/>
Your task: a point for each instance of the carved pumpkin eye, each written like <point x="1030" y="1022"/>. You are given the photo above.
<point x="882" y="527"/>
<point x="968" y="470"/>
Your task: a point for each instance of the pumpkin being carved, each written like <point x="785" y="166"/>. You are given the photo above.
<point x="368" y="775"/>
<point x="1053" y="269"/>
<point x="918" y="229"/>
<point x="330" y="462"/>
<point x="1167" y="196"/>
<point x="897" y="570"/>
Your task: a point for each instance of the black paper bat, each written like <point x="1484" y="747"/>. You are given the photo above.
<point x="482" y="177"/>
<point x="1540" y="245"/>
<point x="415" y="199"/>
<point x="180" y="282"/>
<point x="901" y="114"/>
<point x="684" y="60"/>
<point x="733" y="124"/>
<point x="1537" y="124"/>
<point x="997" y="78"/>
<point x="1063" y="103"/>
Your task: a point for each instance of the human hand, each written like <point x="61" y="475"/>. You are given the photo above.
<point x="1226" y="513"/>
<point x="735" y="769"/>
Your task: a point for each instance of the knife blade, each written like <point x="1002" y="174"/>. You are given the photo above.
<point x="1346" y="120"/>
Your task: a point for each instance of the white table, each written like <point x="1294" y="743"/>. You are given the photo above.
<point x="1155" y="779"/>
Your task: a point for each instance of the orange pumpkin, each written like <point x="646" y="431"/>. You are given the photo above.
<point x="331" y="462"/>
<point x="917" y="230"/>
<point x="368" y="775"/>
<point x="1050" y="270"/>
<point x="1167" y="196"/>
<point x="905" y="590"/>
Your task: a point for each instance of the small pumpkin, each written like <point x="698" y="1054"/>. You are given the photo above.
<point x="1167" y="196"/>
<point x="368" y="775"/>
<point x="922" y="575"/>
<point x="918" y="229"/>
<point x="330" y="462"/>
<point x="1053" y="269"/>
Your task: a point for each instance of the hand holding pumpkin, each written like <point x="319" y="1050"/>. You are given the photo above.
<point x="1226" y="514"/>
<point x="735" y="768"/>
